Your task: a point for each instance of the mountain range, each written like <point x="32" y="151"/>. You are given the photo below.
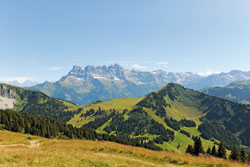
<point x="237" y="91"/>
<point x="86" y="85"/>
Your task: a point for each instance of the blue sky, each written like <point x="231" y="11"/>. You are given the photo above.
<point x="43" y="39"/>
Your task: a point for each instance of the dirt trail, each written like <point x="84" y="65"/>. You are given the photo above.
<point x="133" y="159"/>
<point x="33" y="144"/>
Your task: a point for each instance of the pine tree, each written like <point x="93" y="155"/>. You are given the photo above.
<point x="243" y="155"/>
<point x="198" y="146"/>
<point x="235" y="154"/>
<point x="190" y="149"/>
<point x="208" y="152"/>
<point x="214" y="151"/>
<point x="221" y="151"/>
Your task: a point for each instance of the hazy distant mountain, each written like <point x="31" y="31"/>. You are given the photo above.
<point x="21" y="81"/>
<point x="236" y="91"/>
<point x="89" y="84"/>
<point x="220" y="79"/>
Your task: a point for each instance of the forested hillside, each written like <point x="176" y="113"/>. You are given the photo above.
<point x="236" y="91"/>
<point x="171" y="117"/>
<point x="49" y="128"/>
<point x="38" y="103"/>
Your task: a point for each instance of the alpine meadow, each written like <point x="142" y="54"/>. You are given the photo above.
<point x="133" y="83"/>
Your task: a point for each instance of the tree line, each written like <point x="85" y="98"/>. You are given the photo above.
<point x="50" y="128"/>
<point x="218" y="151"/>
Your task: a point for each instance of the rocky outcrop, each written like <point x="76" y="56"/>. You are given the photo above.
<point x="7" y="97"/>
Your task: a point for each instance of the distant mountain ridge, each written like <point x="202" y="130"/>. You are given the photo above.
<point x="221" y="79"/>
<point x="237" y="91"/>
<point x="20" y="81"/>
<point x="84" y="85"/>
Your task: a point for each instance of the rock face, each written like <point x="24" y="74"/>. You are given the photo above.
<point x="89" y="84"/>
<point x="7" y="92"/>
<point x="7" y="98"/>
<point x="86" y="85"/>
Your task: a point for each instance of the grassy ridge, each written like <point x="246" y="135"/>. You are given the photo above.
<point x="17" y="150"/>
<point x="177" y="110"/>
<point x="118" y="104"/>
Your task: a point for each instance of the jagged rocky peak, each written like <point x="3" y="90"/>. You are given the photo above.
<point x="115" y="66"/>
<point x="113" y="71"/>
<point x="76" y="69"/>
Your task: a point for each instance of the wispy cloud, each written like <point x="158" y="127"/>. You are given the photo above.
<point x="162" y="63"/>
<point x="138" y="66"/>
<point x="57" y="68"/>
<point x="207" y="72"/>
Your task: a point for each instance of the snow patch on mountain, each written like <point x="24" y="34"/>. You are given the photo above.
<point x="19" y="81"/>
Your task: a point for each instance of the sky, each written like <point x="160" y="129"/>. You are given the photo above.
<point x="43" y="39"/>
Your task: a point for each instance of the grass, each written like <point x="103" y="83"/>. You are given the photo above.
<point x="84" y="153"/>
<point x="182" y="141"/>
<point x="118" y="104"/>
<point x="179" y="111"/>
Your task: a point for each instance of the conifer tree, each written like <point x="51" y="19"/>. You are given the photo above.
<point x="214" y="151"/>
<point x="190" y="149"/>
<point x="235" y="154"/>
<point x="208" y="152"/>
<point x="221" y="151"/>
<point x="243" y="155"/>
<point x="198" y="146"/>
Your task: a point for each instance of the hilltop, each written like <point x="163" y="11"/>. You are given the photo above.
<point x="170" y="117"/>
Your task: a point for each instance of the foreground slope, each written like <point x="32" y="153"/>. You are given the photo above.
<point x="236" y="91"/>
<point x="170" y="117"/>
<point x="32" y="151"/>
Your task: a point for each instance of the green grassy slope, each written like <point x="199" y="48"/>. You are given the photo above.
<point x="156" y="118"/>
<point x="146" y="118"/>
